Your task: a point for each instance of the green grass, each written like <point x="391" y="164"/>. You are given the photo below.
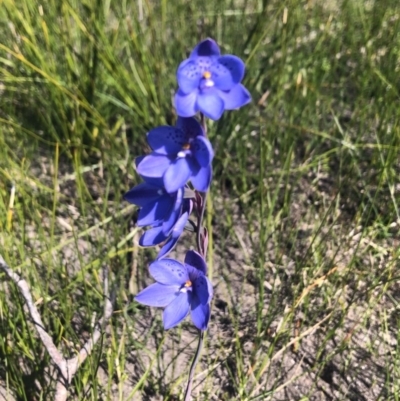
<point x="304" y="208"/>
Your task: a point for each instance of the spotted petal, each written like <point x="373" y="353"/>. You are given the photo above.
<point x="194" y="259"/>
<point x="202" y="151"/>
<point x="176" y="311"/>
<point x="203" y="289"/>
<point x="169" y="272"/>
<point x="190" y="126"/>
<point x="227" y="72"/>
<point x="189" y="75"/>
<point x="166" y="140"/>
<point x="157" y="295"/>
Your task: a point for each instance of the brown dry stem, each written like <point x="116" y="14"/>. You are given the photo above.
<point x="67" y="368"/>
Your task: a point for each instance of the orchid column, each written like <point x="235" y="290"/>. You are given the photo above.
<point x="177" y="175"/>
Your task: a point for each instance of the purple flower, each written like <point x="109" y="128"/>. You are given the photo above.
<point x="158" y="207"/>
<point x="179" y="154"/>
<point x="210" y="83"/>
<point x="156" y="235"/>
<point x="180" y="288"/>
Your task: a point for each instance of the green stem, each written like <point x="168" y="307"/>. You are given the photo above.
<point x="188" y="392"/>
<point x="200" y="218"/>
<point x="203" y="251"/>
<point x="200" y="215"/>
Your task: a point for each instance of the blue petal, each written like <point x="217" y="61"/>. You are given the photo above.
<point x="200" y="314"/>
<point x="174" y="213"/>
<point x="156" y="181"/>
<point x="207" y="47"/>
<point x="186" y="104"/>
<point x="167" y="248"/>
<point x="202" y="151"/>
<point x="156" y="211"/>
<point x="178" y="173"/>
<point x="203" y="289"/>
<point x="176" y="311"/>
<point x="210" y="104"/>
<point x="157" y="295"/>
<point x="153" y="236"/>
<point x="202" y="178"/>
<point x="166" y="140"/>
<point x="138" y="160"/>
<point x="190" y="126"/>
<point x="169" y="272"/>
<point x="176" y="233"/>
<point x="194" y="259"/>
<point x="227" y="72"/>
<point x="153" y="165"/>
<point x="142" y="194"/>
<point x="235" y="98"/>
<point x="180" y="225"/>
<point x="188" y="76"/>
<point x="146" y="216"/>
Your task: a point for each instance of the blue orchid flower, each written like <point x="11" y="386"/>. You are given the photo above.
<point x="180" y="288"/>
<point x="210" y="83"/>
<point x="156" y="235"/>
<point x="180" y="153"/>
<point x="157" y="206"/>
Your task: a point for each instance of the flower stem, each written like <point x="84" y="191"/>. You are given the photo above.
<point x="200" y="217"/>
<point x="203" y="123"/>
<point x="201" y="247"/>
<point x="188" y="392"/>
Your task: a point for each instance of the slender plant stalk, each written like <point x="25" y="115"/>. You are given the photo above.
<point x="199" y="229"/>
<point x="201" y="247"/>
<point x="200" y="216"/>
<point x="188" y="392"/>
<point x="203" y="123"/>
<point x="67" y="368"/>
